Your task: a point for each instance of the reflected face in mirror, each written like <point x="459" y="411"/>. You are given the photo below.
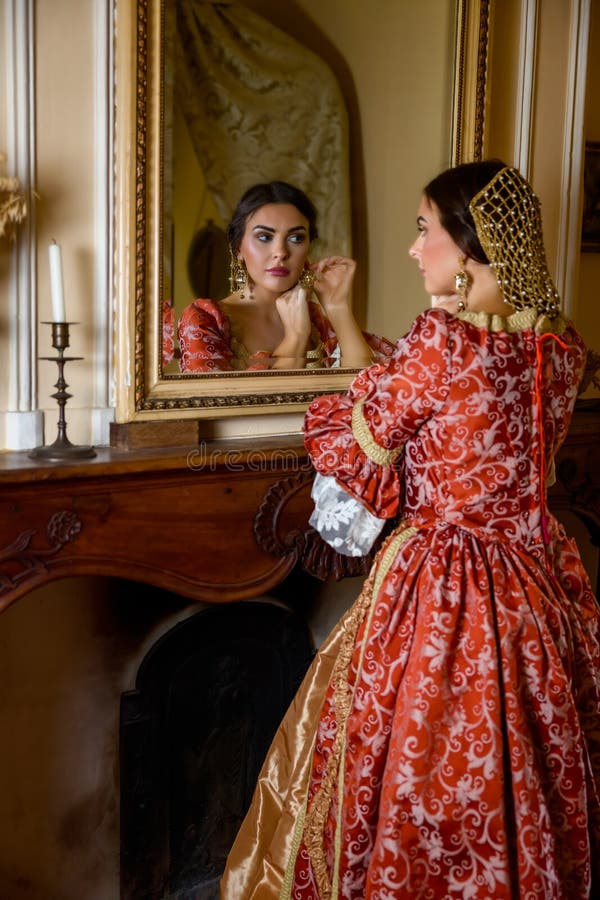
<point x="282" y="312"/>
<point x="270" y="319"/>
<point x="273" y="253"/>
<point x="274" y="248"/>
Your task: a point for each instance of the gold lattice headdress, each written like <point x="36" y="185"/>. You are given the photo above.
<point x="509" y="227"/>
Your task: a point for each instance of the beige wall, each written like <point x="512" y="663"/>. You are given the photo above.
<point x="547" y="149"/>
<point x="503" y="63"/>
<point x="548" y="128"/>
<point x="3" y="99"/>
<point x="192" y="206"/>
<point x="65" y="185"/>
<point x="7" y="169"/>
<point x="588" y="309"/>
<point x="549" y="108"/>
<point x="65" y="205"/>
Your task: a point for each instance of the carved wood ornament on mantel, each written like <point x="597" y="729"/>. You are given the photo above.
<point x="275" y="532"/>
<point x="29" y="561"/>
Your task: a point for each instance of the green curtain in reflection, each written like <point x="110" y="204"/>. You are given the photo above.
<point x="259" y="106"/>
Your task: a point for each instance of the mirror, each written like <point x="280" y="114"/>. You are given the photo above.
<point x="243" y="103"/>
<point x="145" y="223"/>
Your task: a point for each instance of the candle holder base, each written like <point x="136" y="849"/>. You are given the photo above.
<point x="62" y="449"/>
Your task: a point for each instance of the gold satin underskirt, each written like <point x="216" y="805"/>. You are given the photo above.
<point x="258" y="859"/>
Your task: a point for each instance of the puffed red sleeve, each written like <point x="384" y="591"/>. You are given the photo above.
<point x="358" y="437"/>
<point x="204" y="338"/>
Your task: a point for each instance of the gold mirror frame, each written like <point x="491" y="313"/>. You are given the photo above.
<point x="142" y="393"/>
<point x="470" y="80"/>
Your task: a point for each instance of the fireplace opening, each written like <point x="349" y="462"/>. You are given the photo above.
<point x="193" y="735"/>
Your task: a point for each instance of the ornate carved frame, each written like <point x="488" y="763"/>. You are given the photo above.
<point x="470" y="80"/>
<point x="142" y="392"/>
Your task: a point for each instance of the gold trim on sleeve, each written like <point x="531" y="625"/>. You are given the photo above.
<point x="367" y="442"/>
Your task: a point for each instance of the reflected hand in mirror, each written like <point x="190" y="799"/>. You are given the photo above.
<point x="292" y="308"/>
<point x="333" y="285"/>
<point x="282" y="311"/>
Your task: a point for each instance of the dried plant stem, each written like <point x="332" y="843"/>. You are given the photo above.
<point x="13" y="205"/>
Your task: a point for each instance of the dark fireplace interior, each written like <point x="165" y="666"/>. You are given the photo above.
<point x="209" y="697"/>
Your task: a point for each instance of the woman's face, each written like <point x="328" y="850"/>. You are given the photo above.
<point x="275" y="246"/>
<point x="435" y="252"/>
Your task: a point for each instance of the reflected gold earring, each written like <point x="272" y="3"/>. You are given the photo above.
<point x="461" y="284"/>
<point x="238" y="274"/>
<point x="307" y="278"/>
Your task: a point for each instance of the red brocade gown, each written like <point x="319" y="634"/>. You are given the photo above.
<point x="446" y="741"/>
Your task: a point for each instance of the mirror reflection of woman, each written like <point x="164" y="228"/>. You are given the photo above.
<point x="283" y="312"/>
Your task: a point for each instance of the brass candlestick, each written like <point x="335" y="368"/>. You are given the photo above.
<point x="62" y="448"/>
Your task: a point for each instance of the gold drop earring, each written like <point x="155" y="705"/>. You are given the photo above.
<point x="237" y="274"/>
<point x="239" y="279"/>
<point x="307" y="278"/>
<point x="461" y="284"/>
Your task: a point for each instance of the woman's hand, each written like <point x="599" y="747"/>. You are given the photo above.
<point x="293" y="312"/>
<point x="333" y="282"/>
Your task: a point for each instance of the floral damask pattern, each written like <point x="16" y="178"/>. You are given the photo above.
<point x="468" y="763"/>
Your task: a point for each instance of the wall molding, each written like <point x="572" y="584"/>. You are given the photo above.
<point x="525" y="101"/>
<point x="102" y="412"/>
<point x="573" y="143"/>
<point x="569" y="235"/>
<point x="21" y="422"/>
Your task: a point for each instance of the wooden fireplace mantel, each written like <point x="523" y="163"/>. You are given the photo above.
<point x="217" y="522"/>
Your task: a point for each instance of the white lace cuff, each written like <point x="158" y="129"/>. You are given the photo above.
<point x="342" y="521"/>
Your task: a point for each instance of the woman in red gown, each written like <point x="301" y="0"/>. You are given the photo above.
<point x="446" y="742"/>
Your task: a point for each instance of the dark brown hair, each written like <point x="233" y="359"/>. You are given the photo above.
<point x="269" y="192"/>
<point x="452" y="191"/>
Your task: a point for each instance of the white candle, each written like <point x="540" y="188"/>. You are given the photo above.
<point x="56" y="284"/>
